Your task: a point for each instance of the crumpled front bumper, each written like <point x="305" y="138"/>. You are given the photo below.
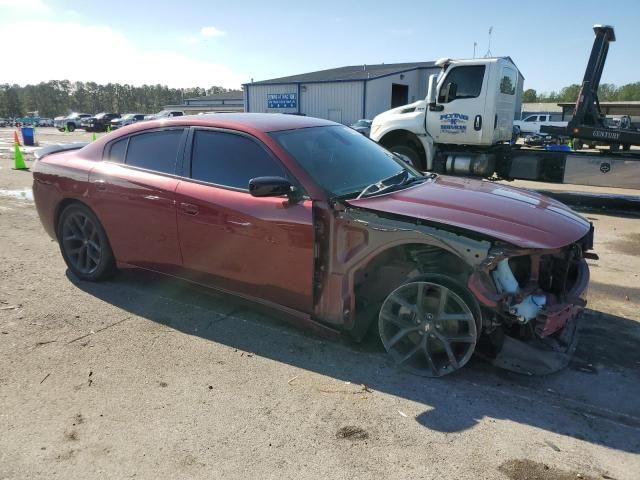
<point x="555" y="339"/>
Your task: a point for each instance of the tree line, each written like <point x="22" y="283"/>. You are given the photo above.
<point x="61" y="97"/>
<point x="607" y="92"/>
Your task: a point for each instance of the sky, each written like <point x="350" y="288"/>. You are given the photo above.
<point x="227" y="43"/>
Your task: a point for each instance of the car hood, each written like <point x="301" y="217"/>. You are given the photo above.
<point x="520" y="217"/>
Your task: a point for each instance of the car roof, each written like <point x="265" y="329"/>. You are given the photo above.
<point x="263" y="122"/>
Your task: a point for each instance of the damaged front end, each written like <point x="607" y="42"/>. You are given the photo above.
<point x="531" y="303"/>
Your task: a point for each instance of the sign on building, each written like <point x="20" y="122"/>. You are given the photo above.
<point x="282" y="100"/>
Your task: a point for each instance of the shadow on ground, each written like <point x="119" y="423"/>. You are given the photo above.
<point x="589" y="400"/>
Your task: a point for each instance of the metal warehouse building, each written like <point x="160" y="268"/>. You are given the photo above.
<point x="343" y="94"/>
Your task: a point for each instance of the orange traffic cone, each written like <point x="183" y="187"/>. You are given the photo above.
<point x="16" y="138"/>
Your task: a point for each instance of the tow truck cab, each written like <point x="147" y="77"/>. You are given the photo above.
<point x="470" y="108"/>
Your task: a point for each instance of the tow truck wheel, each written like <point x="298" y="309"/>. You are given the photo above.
<point x="626" y="147"/>
<point x="427" y="328"/>
<point x="577" y="144"/>
<point x="410" y="153"/>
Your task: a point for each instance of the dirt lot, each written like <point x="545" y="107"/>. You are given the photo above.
<point x="144" y="377"/>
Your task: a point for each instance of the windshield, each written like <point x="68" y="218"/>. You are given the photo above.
<point x="341" y="160"/>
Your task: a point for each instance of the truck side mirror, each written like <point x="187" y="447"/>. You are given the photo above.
<point x="432" y="90"/>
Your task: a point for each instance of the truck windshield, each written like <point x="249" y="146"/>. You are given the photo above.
<point x="341" y="160"/>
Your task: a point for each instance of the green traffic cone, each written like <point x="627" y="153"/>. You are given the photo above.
<point x="93" y="137"/>
<point x="19" y="164"/>
<point x="108" y="128"/>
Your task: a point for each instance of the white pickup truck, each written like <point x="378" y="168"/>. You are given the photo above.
<point x="532" y="123"/>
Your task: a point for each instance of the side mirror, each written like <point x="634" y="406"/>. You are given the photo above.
<point x="450" y="91"/>
<point x="432" y="90"/>
<point x="270" y="187"/>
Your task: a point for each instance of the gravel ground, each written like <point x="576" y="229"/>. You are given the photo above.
<point x="146" y="377"/>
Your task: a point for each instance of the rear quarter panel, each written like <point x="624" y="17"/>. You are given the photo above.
<point x="57" y="177"/>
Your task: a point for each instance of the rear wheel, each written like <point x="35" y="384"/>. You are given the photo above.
<point x="428" y="328"/>
<point x="84" y="244"/>
<point x="71" y="127"/>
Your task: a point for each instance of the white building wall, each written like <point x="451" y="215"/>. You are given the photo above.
<point x="379" y="89"/>
<point x="341" y="101"/>
<point x="337" y="101"/>
<point x="257" y="96"/>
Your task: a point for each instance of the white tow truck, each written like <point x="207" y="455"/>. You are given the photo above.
<point x="465" y="126"/>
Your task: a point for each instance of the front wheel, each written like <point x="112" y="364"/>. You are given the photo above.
<point x="71" y="127"/>
<point x="428" y="328"/>
<point x="84" y="244"/>
<point x="411" y="153"/>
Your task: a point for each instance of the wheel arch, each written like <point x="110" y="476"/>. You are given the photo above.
<point x="394" y="265"/>
<point x="64" y="203"/>
<point x="404" y="137"/>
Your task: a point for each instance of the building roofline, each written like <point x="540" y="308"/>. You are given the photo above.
<point x="370" y="75"/>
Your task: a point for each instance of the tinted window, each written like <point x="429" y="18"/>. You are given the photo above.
<point x="117" y="151"/>
<point x="508" y="81"/>
<point x="155" y="150"/>
<point x="230" y="160"/>
<point x="340" y="159"/>
<point x="533" y="118"/>
<point x="465" y="82"/>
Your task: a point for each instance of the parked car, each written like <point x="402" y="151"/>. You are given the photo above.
<point x="164" y="114"/>
<point x="84" y="123"/>
<point x="4" y="122"/>
<point x="532" y="123"/>
<point x="127" y="119"/>
<point x="101" y="122"/>
<point x="363" y="126"/>
<point x="312" y="219"/>
<point x="71" y="121"/>
<point x="45" y="122"/>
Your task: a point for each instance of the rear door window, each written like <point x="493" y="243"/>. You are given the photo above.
<point x="156" y="151"/>
<point x="231" y="160"/>
<point x="117" y="151"/>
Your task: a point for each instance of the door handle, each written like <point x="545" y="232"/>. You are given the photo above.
<point x="100" y="185"/>
<point x="189" y="208"/>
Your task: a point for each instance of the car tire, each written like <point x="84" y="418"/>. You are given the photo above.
<point x="577" y="144"/>
<point x="409" y="152"/>
<point x="71" y="127"/>
<point x="430" y="325"/>
<point x="84" y="244"/>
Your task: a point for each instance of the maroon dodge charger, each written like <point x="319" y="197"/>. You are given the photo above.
<point x="313" y="219"/>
